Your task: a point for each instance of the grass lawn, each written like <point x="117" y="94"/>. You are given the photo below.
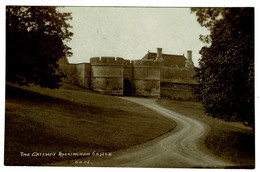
<point x="73" y="119"/>
<point x="229" y="140"/>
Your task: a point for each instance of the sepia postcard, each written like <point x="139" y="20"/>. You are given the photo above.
<point x="149" y="87"/>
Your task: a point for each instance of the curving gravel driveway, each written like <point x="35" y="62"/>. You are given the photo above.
<point x="180" y="148"/>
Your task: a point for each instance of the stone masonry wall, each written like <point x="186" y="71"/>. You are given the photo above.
<point x="180" y="75"/>
<point x="177" y="91"/>
<point x="146" y="78"/>
<point x="107" y="75"/>
<point x="83" y="74"/>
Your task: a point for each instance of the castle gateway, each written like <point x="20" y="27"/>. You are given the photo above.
<point x="156" y="74"/>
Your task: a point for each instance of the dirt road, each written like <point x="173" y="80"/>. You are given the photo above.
<point x="180" y="148"/>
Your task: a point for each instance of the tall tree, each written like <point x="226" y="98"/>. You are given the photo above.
<point x="226" y="67"/>
<point x="35" y="40"/>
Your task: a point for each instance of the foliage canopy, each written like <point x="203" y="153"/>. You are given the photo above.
<point x="226" y="68"/>
<point x="35" y="40"/>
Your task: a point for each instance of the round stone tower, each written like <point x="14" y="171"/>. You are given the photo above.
<point x="107" y="75"/>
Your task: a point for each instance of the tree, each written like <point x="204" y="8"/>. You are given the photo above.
<point x="35" y="40"/>
<point x="226" y="68"/>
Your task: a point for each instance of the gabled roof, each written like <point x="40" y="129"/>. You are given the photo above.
<point x="168" y="59"/>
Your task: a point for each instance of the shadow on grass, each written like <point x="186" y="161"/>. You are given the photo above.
<point x="237" y="146"/>
<point x="40" y="123"/>
<point x="25" y="135"/>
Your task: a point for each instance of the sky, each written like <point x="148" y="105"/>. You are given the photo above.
<point x="131" y="32"/>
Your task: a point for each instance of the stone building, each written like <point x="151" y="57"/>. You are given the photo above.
<point x="156" y="74"/>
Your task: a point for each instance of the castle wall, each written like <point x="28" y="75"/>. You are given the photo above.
<point x="180" y="75"/>
<point x="83" y="74"/>
<point x="177" y="91"/>
<point x="128" y="72"/>
<point x="107" y="75"/>
<point x="71" y="72"/>
<point x="112" y="86"/>
<point x="146" y="78"/>
<point x="111" y="71"/>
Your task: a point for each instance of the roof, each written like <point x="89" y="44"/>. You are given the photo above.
<point x="168" y="59"/>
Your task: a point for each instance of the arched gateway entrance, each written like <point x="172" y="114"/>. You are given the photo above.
<point x="127" y="87"/>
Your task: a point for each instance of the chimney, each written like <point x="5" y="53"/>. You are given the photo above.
<point x="159" y="54"/>
<point x="189" y="54"/>
<point x="189" y="62"/>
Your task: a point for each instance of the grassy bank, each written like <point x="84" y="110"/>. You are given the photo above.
<point x="231" y="141"/>
<point x="72" y="119"/>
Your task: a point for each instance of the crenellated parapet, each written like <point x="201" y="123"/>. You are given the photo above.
<point x="110" y="61"/>
<point x="126" y="63"/>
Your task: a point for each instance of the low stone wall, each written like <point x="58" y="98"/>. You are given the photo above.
<point x="177" y="91"/>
